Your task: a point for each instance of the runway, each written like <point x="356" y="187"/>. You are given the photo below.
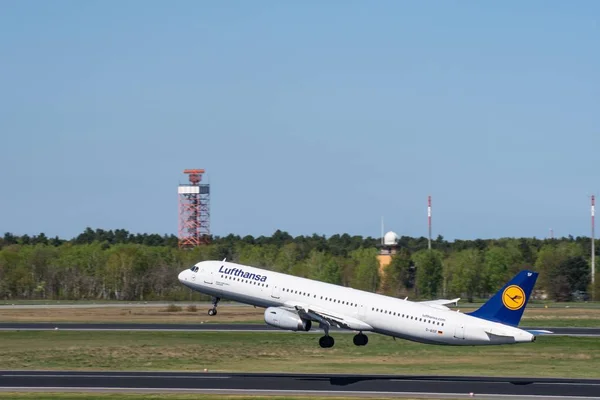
<point x="213" y="327"/>
<point x="79" y="305"/>
<point x="308" y="384"/>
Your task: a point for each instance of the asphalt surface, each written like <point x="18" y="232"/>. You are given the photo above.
<point x="316" y="384"/>
<point x="8" y="306"/>
<point x="212" y="327"/>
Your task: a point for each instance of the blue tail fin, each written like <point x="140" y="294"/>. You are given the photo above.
<point x="508" y="304"/>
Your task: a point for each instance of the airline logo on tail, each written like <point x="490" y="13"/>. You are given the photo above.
<point x="513" y="297"/>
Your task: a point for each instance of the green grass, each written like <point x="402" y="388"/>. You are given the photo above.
<point x="290" y="352"/>
<point x="546" y="322"/>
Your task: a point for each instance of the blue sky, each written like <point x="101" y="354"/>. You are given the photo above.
<point x="310" y="117"/>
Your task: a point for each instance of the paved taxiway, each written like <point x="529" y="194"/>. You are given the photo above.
<point x="210" y="327"/>
<point x="315" y="384"/>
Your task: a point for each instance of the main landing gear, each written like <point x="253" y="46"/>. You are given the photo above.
<point x="325" y="341"/>
<point x="361" y="339"/>
<point x="213" y="311"/>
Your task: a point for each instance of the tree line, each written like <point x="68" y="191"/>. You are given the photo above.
<point x="106" y="264"/>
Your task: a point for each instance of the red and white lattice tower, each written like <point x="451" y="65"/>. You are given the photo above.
<point x="194" y="210"/>
<point x="593" y="266"/>
<point x="429" y="221"/>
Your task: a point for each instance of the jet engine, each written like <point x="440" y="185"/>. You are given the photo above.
<point x="284" y="319"/>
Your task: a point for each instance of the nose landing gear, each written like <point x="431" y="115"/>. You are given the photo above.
<point x="213" y="311"/>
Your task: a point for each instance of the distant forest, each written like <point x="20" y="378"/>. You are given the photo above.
<point x="106" y="264"/>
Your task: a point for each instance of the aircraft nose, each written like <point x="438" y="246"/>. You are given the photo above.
<point x="182" y="276"/>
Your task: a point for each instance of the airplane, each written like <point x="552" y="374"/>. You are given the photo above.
<point x="294" y="303"/>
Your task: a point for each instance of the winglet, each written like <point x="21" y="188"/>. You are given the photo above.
<point x="508" y="304"/>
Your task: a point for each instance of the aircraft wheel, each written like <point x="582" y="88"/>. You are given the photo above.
<point x="360" y="339"/>
<point x="212" y="312"/>
<point x="326" y="342"/>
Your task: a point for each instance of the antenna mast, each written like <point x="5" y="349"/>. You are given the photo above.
<point x="593" y="249"/>
<point x="429" y="220"/>
<point x="382" y="231"/>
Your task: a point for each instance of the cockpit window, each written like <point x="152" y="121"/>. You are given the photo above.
<point x="194" y="269"/>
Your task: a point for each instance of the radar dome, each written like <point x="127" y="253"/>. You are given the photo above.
<point x="390" y="239"/>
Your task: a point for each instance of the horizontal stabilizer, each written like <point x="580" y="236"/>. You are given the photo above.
<point x="539" y="332"/>
<point x="441" y="303"/>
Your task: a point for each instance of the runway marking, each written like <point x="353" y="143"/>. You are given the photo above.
<point x="508" y="382"/>
<point x="353" y="393"/>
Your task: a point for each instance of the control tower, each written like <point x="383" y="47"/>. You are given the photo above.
<point x="387" y="248"/>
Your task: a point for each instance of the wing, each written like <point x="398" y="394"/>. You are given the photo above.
<point x="328" y="318"/>
<point x="441" y="303"/>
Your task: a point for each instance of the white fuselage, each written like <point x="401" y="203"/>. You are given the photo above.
<point x="377" y="313"/>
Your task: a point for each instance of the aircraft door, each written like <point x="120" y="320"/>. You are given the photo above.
<point x="459" y="331"/>
<point x="207" y="275"/>
<point x="275" y="293"/>
<point x="361" y="311"/>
